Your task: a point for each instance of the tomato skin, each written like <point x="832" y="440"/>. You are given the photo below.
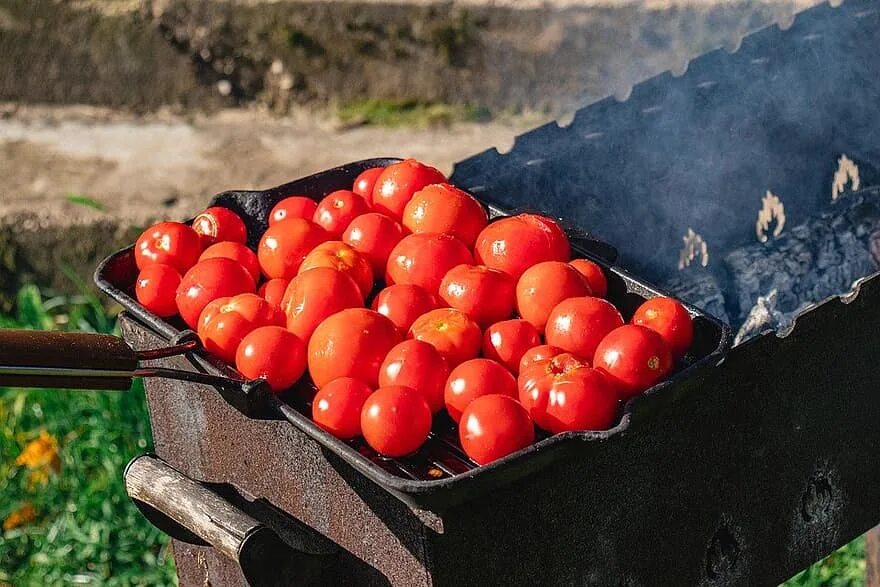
<point x="633" y="358"/>
<point x="285" y="244"/>
<point x="398" y="182"/>
<point x="237" y="252"/>
<point x="208" y="280"/>
<point x="315" y="295"/>
<point x="507" y="342"/>
<point x="475" y="378"/>
<point x="670" y="319"/>
<point x="219" y="224"/>
<point x="594" y="275"/>
<point x="272" y="353"/>
<point x="155" y="289"/>
<point x="273" y="291"/>
<point x="395" y="421"/>
<point x="424" y="259"/>
<point x="351" y="343"/>
<point x="486" y="295"/>
<point x="293" y="207"/>
<point x="417" y="365"/>
<point x="336" y="211"/>
<point x="168" y="243"/>
<point x="516" y="243"/>
<point x="451" y="332"/>
<point x="577" y="325"/>
<point x="364" y="183"/>
<point x="338" y="255"/>
<point x="226" y="321"/>
<point x="337" y="407"/>
<point x="538" y="353"/>
<point x="444" y="208"/>
<point x="560" y="248"/>
<point x="374" y="235"/>
<point x="541" y="287"/>
<point x="494" y="426"/>
<point x="403" y="303"/>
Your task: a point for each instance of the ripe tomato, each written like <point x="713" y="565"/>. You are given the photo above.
<point x="507" y="342"/>
<point x="516" y="243"/>
<point x="577" y="325"/>
<point x="494" y="426"/>
<point x="285" y="244"/>
<point x="538" y="353"/>
<point x="237" y="252"/>
<point x="315" y="295"/>
<point x="473" y="379"/>
<point x="274" y="354"/>
<point x="417" y="365"/>
<point x="543" y="286"/>
<point x="273" y="291"/>
<point x="226" y="321"/>
<point x="218" y="224"/>
<point x="374" y="235"/>
<point x="363" y="183"/>
<point x="451" y="332"/>
<point x="208" y="280"/>
<point x="293" y="207"/>
<point x="398" y="182"/>
<point x="337" y="407"/>
<point x="395" y="421"/>
<point x="338" y="255"/>
<point x="634" y="358"/>
<point x="336" y="211"/>
<point x="168" y="243"/>
<point x="668" y="318"/>
<point x="351" y="343"/>
<point x="594" y="275"/>
<point x="423" y="259"/>
<point x="486" y="295"/>
<point x="155" y="288"/>
<point x="444" y="208"/>
<point x="403" y="303"/>
<point x="558" y="240"/>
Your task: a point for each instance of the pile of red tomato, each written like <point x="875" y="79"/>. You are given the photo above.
<point x="492" y="322"/>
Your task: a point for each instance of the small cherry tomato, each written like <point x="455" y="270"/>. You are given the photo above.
<point x="156" y="287"/>
<point x="226" y="321"/>
<point x="398" y="182"/>
<point x="273" y="291"/>
<point x="541" y="287"/>
<point x="315" y="295"/>
<point x="577" y="325"/>
<point x="338" y="255"/>
<point x="237" y="252"/>
<point x="336" y="211"/>
<point x="507" y="342"/>
<point x="594" y="275"/>
<point x="444" y="208"/>
<point x="218" y="224"/>
<point x="418" y="365"/>
<point x="285" y="244"/>
<point x="168" y="243"/>
<point x="451" y="332"/>
<point x="272" y="353"/>
<point x="486" y="295"/>
<point x="293" y="207"/>
<point x="668" y="318"/>
<point x="374" y="235"/>
<point x="538" y="353"/>
<point x="363" y="183"/>
<point x="395" y="421"/>
<point x="516" y="243"/>
<point x="475" y="378"/>
<point x="337" y="407"/>
<point x="403" y="303"/>
<point x="494" y="426"/>
<point x="208" y="280"/>
<point x="424" y="259"/>
<point x="634" y="358"/>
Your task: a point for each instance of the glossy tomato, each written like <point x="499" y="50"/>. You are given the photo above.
<point x="274" y="354"/>
<point x="168" y="243"/>
<point x="486" y="295"/>
<point x="363" y="183"/>
<point x="424" y="259"/>
<point x="507" y="341"/>
<point x="398" y="182"/>
<point x="475" y="378"/>
<point x="238" y="253"/>
<point x="338" y="255"/>
<point x="451" y="332"/>
<point x="285" y="244"/>
<point x="403" y="303"/>
<point x="336" y="211"/>
<point x="577" y="325"/>
<point x="208" y="280"/>
<point x="374" y="235"/>
<point x="156" y="287"/>
<point x="444" y="208"/>
<point x="337" y="406"/>
<point x="541" y="287"/>
<point x="559" y="245"/>
<point x="218" y="224"/>
<point x="273" y="291"/>
<point x="516" y="243"/>
<point x="594" y="275"/>
<point x="395" y="421"/>
<point x="494" y="426"/>
<point x="226" y="321"/>
<point x="315" y="295"/>
<point x="293" y="207"/>
<point x="416" y="364"/>
<point x="538" y="353"/>
<point x="634" y="358"/>
<point x="668" y="318"/>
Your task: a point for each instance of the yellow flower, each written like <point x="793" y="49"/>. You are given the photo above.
<point x="40" y="453"/>
<point x="26" y="513"/>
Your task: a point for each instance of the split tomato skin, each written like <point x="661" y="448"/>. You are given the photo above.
<point x="273" y="291"/>
<point x="338" y="255"/>
<point x="475" y="378"/>
<point x="418" y="365"/>
<point x="538" y="353"/>
<point x="274" y="354"/>
<point x="208" y="280"/>
<point x="451" y="332"/>
<point x="155" y="288"/>
<point x="516" y="243"/>
<point x="236" y="251"/>
<point x="364" y="183"/>
<point x="316" y="294"/>
<point x="424" y="259"/>
<point x="398" y="182"/>
<point x="219" y="224"/>
<point x="543" y="286"/>
<point x="285" y="245"/>
<point x="226" y="321"/>
<point x="507" y="342"/>
<point x="374" y="235"/>
<point x="168" y="243"/>
<point x="337" y="407"/>
<point x="578" y="325"/>
<point x="633" y="358"/>
<point x="670" y="319"/>
<point x="444" y="208"/>
<point x="403" y="303"/>
<point x="594" y="275"/>
<point x="336" y="211"/>
<point x="494" y="426"/>
<point x="486" y="295"/>
<point x="395" y="421"/>
<point x="293" y="207"/>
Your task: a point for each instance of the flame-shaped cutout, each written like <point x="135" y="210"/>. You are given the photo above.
<point x="847" y="171"/>
<point x="772" y="209"/>
<point x="694" y="247"/>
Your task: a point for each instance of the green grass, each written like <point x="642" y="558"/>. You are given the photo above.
<point x="411" y="113"/>
<point x="843" y="568"/>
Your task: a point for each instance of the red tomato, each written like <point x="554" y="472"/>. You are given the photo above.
<point x="336" y="211"/>
<point x="274" y="354"/>
<point x="516" y="243"/>
<point x="578" y="324"/>
<point x="351" y="343"/>
<point x="538" y="353"/>
<point x="226" y="321"/>
<point x="168" y="243"/>
<point x="403" y="303"/>
<point x="486" y="295"/>
<point x="507" y="341"/>
<point x="417" y="365"/>
<point x="218" y="224"/>
<point x="444" y="208"/>
<point x="237" y="252"/>
<point x="315" y="295"/>
<point x="668" y="318"/>
<point x="293" y="207"/>
<point x="208" y="280"/>
<point x="338" y="255"/>
<point x="374" y="235"/>
<point x="285" y="244"/>
<point x="543" y="286"/>
<point x="155" y="289"/>
<point x="634" y="358"/>
<point x="473" y="379"/>
<point x="494" y="426"/>
<point x="395" y="421"/>
<point x="451" y="332"/>
<point x="337" y="407"/>
<point x="555" y="235"/>
<point x="423" y="259"/>
<point x="594" y="275"/>
<point x="363" y="183"/>
<point x="398" y="182"/>
<point x="273" y="291"/>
